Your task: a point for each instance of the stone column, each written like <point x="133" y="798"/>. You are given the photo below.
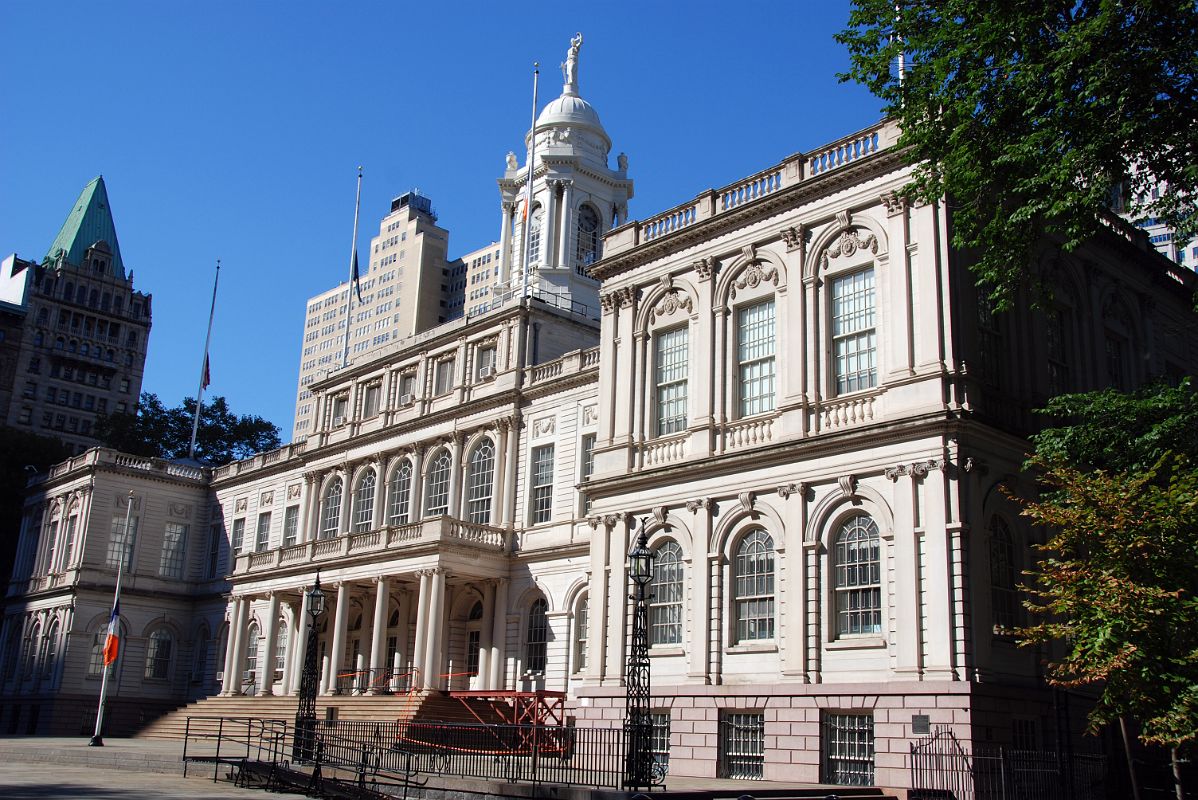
<point x="337" y="651"/>
<point x="311" y="507"/>
<point x="266" y="661"/>
<point x="549" y="229"/>
<point x="485" y="638"/>
<point x="300" y="650"/>
<point x="597" y="600"/>
<point x="435" y="658"/>
<point x="378" y="641"/>
<point x="793" y="623"/>
<point x="416" y="493"/>
<point x="498" y="636"/>
<point x="227" y="685"/>
<point x="498" y="508"/>
<point x="564" y="227"/>
<point x="422" y="628"/>
<point x="243" y="615"/>
<point x="456" y="474"/>
<point x="505" y="241"/>
<point x="399" y="665"/>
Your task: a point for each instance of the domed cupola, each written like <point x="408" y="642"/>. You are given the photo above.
<point x="569" y="114"/>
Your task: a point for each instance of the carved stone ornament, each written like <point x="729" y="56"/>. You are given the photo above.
<point x="121" y="501"/>
<point x="267" y="499"/>
<point x="607" y="302"/>
<point x="701" y="502"/>
<point x="660" y="513"/>
<point x="544" y="426"/>
<point x="610" y="520"/>
<point x="590" y="414"/>
<point x="754" y="275"/>
<point x="625" y="296"/>
<point x="795" y="237"/>
<point x="849" y="243"/>
<point x="787" y="489"/>
<point x="916" y="469"/>
<point x="895" y="203"/>
<point x="848" y="485"/>
<point x="240" y="505"/>
<point x="669" y="304"/>
<point x="747" y="500"/>
<point x="293" y="491"/>
<point x="704" y="268"/>
<point x="179" y="510"/>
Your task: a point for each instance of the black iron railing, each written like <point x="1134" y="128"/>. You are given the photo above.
<point x="373" y="681"/>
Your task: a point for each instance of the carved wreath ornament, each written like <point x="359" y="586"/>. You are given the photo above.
<point x="755" y="275"/>
<point x="850" y="242"/>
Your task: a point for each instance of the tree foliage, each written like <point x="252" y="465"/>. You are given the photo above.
<point x="1118" y="580"/>
<point x="22" y="455"/>
<point x="1026" y="114"/>
<point x="155" y="430"/>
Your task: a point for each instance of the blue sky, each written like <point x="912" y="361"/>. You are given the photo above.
<point x="233" y="130"/>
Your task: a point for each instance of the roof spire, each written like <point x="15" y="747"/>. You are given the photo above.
<point x="89" y="222"/>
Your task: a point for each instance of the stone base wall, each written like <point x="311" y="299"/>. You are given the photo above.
<point x="66" y="715"/>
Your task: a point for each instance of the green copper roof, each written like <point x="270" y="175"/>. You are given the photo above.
<point x="90" y="221"/>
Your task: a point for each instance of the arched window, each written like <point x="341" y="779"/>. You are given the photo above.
<point x="858" y="577"/>
<point x="665" y="609"/>
<point x="537" y="638"/>
<point x="330" y="511"/>
<point x="32" y="637"/>
<point x="363" y="511"/>
<point x="1002" y="576"/>
<point x="754" y="587"/>
<point x="399" y="494"/>
<point x="534" y="236"/>
<point x="158" y="655"/>
<point x="437" y="494"/>
<point x="251" y="651"/>
<point x="95" y="662"/>
<point x="581" y="623"/>
<point x="473" y="638"/>
<point x="479" y="480"/>
<point x="588" y="236"/>
<point x="281" y="646"/>
<point x="49" y="657"/>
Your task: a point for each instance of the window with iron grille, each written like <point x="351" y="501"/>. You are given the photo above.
<point x="174" y="544"/>
<point x="437" y="501"/>
<point x="330" y="512"/>
<point x="1003" y="604"/>
<point x="742" y="745"/>
<point x="754" y="587"/>
<point x="848" y="744"/>
<point x="659" y="737"/>
<point x="537" y="638"/>
<point x="665" y="609"/>
<point x="400" y="494"/>
<point x="541" y="508"/>
<point x="854" y="336"/>
<point x="363" y="511"/>
<point x="670" y="380"/>
<point x="755" y="357"/>
<point x="858" y="577"/>
<point x="262" y="536"/>
<point x="480" y="478"/>
<point x="290" y="525"/>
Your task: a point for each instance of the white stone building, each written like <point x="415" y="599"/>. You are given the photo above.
<point x="792" y="381"/>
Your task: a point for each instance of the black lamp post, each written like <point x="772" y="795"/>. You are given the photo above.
<point x="639" y="770"/>
<point x="304" y="748"/>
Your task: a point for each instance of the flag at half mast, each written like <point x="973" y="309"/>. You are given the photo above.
<point x="112" y="642"/>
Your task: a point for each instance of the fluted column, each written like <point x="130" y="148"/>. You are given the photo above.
<point x="233" y="677"/>
<point x="266" y="661"/>
<point x="550" y="228"/>
<point x="498" y="636"/>
<point x="231" y="647"/>
<point x="337" y="651"/>
<point x="378" y="639"/>
<point x="422" y="628"/>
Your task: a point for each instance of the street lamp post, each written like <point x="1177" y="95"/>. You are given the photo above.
<point x="639" y="769"/>
<point x="304" y="748"/>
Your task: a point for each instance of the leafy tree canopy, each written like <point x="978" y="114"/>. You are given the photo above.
<point x="22" y="455"/>
<point x="1026" y="114"/>
<point x="155" y="430"/>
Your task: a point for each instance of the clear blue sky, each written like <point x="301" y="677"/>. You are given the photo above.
<point x="234" y="129"/>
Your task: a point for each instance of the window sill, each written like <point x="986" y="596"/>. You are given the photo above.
<point x="857" y="643"/>
<point x="764" y="646"/>
<point x="666" y="650"/>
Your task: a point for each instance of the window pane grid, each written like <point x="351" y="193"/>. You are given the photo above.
<point x="330" y="514"/>
<point x="1002" y="576"/>
<point x="849" y="749"/>
<point x="122" y="542"/>
<point x="755" y="354"/>
<point x="262" y="535"/>
<point x="542" y="483"/>
<point x="401" y="495"/>
<point x="858" y="578"/>
<point x="290" y="525"/>
<point x="158" y="656"/>
<point x="438" y="486"/>
<point x="670" y="379"/>
<point x="580" y="635"/>
<point x="479" y="483"/>
<point x="538" y="636"/>
<point x="174" y="542"/>
<point x="665" y="609"/>
<point x="853" y="332"/>
<point x="659" y="737"/>
<point x="363" y="514"/>
<point x="742" y="746"/>
<point x="754" y="587"/>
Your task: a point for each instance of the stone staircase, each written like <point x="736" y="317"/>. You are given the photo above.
<point x="431" y="706"/>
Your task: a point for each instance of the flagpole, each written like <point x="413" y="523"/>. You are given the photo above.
<point x="97" y="739"/>
<point x="353" y="273"/>
<point x="532" y="157"/>
<point x="195" y="422"/>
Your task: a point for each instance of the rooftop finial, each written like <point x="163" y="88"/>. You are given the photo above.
<point x="570" y="67"/>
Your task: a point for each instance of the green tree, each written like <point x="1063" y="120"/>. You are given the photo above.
<point x="22" y="455"/>
<point x="1118" y="581"/>
<point x="1026" y="114"/>
<point x="155" y="430"/>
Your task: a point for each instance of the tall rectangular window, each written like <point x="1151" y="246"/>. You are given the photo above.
<point x="742" y="745"/>
<point x="670" y="369"/>
<point x="238" y="535"/>
<point x="290" y="525"/>
<point x="262" y="536"/>
<point x="443" y="379"/>
<point x="854" y="337"/>
<point x="848" y="741"/>
<point x="174" y="546"/>
<point x="588" y="467"/>
<point x="122" y="542"/>
<point x="541" y="504"/>
<point x="659" y="737"/>
<point x="370" y="401"/>
<point x="1059" y="378"/>
<point x="213" y="562"/>
<point x="755" y="357"/>
<point x="485" y="362"/>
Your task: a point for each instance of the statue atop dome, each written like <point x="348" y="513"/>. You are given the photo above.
<point x="570" y="66"/>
